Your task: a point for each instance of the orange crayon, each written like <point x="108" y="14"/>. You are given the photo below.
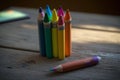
<point x="68" y="25"/>
<point x="77" y="64"/>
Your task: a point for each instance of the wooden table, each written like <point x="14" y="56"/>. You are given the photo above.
<point x="92" y="34"/>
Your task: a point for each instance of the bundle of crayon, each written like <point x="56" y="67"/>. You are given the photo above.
<point x="54" y="33"/>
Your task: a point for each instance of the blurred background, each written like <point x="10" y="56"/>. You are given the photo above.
<point x="110" y="7"/>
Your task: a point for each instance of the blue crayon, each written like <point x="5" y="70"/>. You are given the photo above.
<point x="49" y="12"/>
<point x="41" y="32"/>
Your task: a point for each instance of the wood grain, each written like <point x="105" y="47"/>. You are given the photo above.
<point x="23" y="65"/>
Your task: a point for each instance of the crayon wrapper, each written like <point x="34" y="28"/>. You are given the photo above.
<point x="61" y="41"/>
<point x="61" y="27"/>
<point x="47" y="25"/>
<point x="68" y="21"/>
<point x="55" y="39"/>
<point x="54" y="25"/>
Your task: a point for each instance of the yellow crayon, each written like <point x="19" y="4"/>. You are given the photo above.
<point x="54" y="33"/>
<point x="61" y="43"/>
<point x="61" y="38"/>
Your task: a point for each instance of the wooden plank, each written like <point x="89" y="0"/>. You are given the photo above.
<point x="23" y="65"/>
<point x="89" y="32"/>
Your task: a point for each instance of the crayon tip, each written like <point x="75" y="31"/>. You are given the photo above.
<point x="60" y="11"/>
<point x="40" y="9"/>
<point x="48" y="11"/>
<point x="52" y="69"/>
<point x="67" y="10"/>
<point x="67" y="15"/>
<point x="47" y="6"/>
<point x="54" y="16"/>
<point x="41" y="14"/>
<point x="46" y="19"/>
<point x="60" y="20"/>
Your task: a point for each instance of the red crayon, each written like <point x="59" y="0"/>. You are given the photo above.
<point x="77" y="64"/>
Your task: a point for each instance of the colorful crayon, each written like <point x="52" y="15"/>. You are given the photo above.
<point x="54" y="33"/>
<point x="60" y="12"/>
<point x="77" y="64"/>
<point x="48" y="39"/>
<point x="48" y="11"/>
<point x="61" y="38"/>
<point x="67" y="19"/>
<point x="41" y="32"/>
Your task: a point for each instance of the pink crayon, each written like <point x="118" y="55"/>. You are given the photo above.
<point x="60" y="12"/>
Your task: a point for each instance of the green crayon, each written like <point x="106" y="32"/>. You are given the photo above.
<point x="48" y="39"/>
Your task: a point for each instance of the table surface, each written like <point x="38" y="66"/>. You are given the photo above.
<point x="92" y="34"/>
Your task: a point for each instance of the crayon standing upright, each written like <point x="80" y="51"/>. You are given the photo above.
<point x="54" y="33"/>
<point x="61" y="38"/>
<point x="48" y="11"/>
<point x="48" y="40"/>
<point x="60" y="12"/>
<point x="67" y="19"/>
<point x="41" y="32"/>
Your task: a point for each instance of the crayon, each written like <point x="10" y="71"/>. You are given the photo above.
<point x="60" y="12"/>
<point x="41" y="32"/>
<point x="67" y="19"/>
<point x="48" y="11"/>
<point x="48" y="40"/>
<point x="54" y="33"/>
<point x="77" y="64"/>
<point x="61" y="38"/>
